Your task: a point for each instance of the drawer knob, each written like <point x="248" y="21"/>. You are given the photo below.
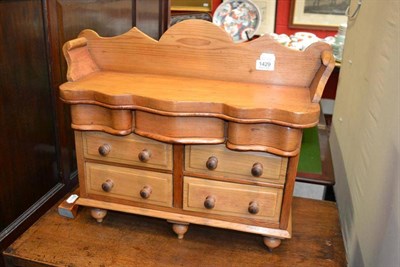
<point x="104" y="149"/>
<point x="212" y="163"/>
<point x="107" y="185"/>
<point x="145" y="192"/>
<point x="144" y="155"/>
<point x="253" y="207"/>
<point x="257" y="169"/>
<point x="209" y="203"/>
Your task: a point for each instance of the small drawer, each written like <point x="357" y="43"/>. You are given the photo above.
<point x="131" y="149"/>
<point x="217" y="161"/>
<point x="130" y="184"/>
<point x="232" y="199"/>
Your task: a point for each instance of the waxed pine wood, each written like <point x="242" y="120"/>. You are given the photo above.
<point x="235" y="63"/>
<point x="286" y="105"/>
<point x="194" y="90"/>
<point x="267" y="199"/>
<point x="127" y="149"/>
<point x="274" y="168"/>
<point x="128" y="183"/>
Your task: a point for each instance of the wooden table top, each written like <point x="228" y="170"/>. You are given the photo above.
<point x="130" y="240"/>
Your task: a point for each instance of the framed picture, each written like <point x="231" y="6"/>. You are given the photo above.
<point x="267" y="9"/>
<point x="318" y="14"/>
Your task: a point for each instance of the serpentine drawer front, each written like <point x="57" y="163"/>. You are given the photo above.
<point x="192" y="128"/>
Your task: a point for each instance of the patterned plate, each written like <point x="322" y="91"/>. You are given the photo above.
<point x="240" y="18"/>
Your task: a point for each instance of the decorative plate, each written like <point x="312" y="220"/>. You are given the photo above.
<point x="239" y="18"/>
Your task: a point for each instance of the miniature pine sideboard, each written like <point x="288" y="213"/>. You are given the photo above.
<point x="193" y="128"/>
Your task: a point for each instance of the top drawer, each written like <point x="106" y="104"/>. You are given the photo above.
<point x="131" y="149"/>
<point x="217" y="160"/>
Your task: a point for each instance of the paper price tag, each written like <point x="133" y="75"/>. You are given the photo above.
<point x="266" y="62"/>
<point x="72" y="199"/>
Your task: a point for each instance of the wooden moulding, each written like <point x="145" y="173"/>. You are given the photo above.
<point x="321" y="77"/>
<point x="285" y="219"/>
<point x="196" y="97"/>
<point x="267" y="137"/>
<point x="265" y="223"/>
<point x="79" y="60"/>
<point x="171" y="216"/>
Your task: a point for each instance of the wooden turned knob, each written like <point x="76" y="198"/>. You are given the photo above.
<point x="209" y="203"/>
<point x="257" y="169"/>
<point x="253" y="207"/>
<point x="104" y="149"/>
<point x="107" y="185"/>
<point x="144" y="155"/>
<point x="145" y="192"/>
<point x="212" y="163"/>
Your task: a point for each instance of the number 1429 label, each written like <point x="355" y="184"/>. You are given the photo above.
<point x="266" y="62"/>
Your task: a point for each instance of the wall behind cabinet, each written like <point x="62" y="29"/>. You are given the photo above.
<point x="365" y="136"/>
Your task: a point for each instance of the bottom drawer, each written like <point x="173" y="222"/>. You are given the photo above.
<point x="232" y="199"/>
<point x="130" y="184"/>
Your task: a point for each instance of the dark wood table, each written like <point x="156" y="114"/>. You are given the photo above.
<point x="131" y="240"/>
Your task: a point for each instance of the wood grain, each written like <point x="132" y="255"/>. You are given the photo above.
<point x="195" y="87"/>
<point x="128" y="183"/>
<point x="207" y="66"/>
<point x="92" y="117"/>
<point x="247" y="102"/>
<point x="30" y="157"/>
<point x="230" y="167"/>
<point x="216" y="56"/>
<point x="179" y="158"/>
<point x="321" y="77"/>
<point x="180" y="129"/>
<point x="231" y="199"/>
<point x="187" y="218"/>
<point x="80" y="161"/>
<point x="125" y="149"/>
<point x="130" y="240"/>
<point x="148" y="209"/>
<point x="288" y="192"/>
<point x="267" y="137"/>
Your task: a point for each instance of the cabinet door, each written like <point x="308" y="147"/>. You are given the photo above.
<point x="37" y="155"/>
<point x="29" y="166"/>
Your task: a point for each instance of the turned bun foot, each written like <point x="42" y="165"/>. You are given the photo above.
<point x="98" y="214"/>
<point x="271" y="242"/>
<point x="180" y="228"/>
